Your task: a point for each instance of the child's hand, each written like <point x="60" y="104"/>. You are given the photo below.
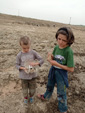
<point x="50" y="56"/>
<point x="34" y="63"/>
<point x="23" y="68"/>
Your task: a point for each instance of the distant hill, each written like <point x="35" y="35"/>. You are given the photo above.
<point x="29" y="21"/>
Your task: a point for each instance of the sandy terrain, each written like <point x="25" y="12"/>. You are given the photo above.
<point x="42" y="34"/>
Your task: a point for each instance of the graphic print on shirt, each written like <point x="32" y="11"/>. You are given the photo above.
<point x="60" y="59"/>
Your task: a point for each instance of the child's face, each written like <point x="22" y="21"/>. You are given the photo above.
<point x="62" y="41"/>
<point x="25" y="48"/>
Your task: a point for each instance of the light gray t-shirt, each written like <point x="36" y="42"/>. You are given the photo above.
<point x="22" y="58"/>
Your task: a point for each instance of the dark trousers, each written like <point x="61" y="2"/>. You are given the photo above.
<point x="61" y="90"/>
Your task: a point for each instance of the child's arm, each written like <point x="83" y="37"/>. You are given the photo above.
<point x="34" y="63"/>
<point x="37" y="57"/>
<point x="53" y="62"/>
<point x="18" y="62"/>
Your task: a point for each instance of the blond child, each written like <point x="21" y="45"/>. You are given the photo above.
<point x="28" y="79"/>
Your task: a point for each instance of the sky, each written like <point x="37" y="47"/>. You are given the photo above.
<point x="62" y="11"/>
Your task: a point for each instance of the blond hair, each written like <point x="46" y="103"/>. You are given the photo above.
<point x="25" y="40"/>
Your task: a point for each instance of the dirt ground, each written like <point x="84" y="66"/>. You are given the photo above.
<point x="42" y="34"/>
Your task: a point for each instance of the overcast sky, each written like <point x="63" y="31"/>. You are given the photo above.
<point x="63" y="11"/>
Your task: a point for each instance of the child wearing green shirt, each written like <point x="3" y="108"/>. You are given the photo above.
<point x="62" y="61"/>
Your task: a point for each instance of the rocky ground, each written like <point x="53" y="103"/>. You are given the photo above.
<point x="42" y="34"/>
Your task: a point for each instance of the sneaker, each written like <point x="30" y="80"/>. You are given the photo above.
<point x="31" y="99"/>
<point x="26" y="101"/>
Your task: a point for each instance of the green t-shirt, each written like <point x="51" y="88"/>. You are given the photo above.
<point x="64" y="56"/>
